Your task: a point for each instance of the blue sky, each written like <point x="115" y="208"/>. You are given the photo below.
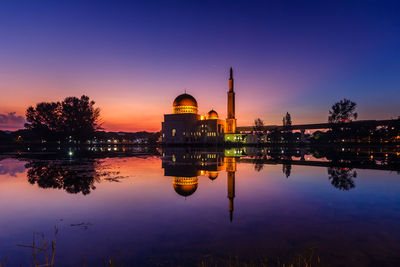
<point x="134" y="57"/>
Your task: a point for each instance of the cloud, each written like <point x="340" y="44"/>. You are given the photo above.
<point x="10" y="121"/>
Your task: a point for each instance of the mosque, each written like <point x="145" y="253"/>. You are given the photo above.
<point x="186" y="126"/>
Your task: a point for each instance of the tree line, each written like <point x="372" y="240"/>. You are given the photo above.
<point x="341" y="113"/>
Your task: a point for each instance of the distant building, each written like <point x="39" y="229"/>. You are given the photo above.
<point x="186" y="126"/>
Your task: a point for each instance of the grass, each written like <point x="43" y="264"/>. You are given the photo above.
<point x="43" y="255"/>
<point x="43" y="249"/>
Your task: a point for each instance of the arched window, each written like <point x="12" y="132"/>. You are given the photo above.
<point x="173" y="132"/>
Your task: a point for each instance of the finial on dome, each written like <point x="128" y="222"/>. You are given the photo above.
<point x="231" y="73"/>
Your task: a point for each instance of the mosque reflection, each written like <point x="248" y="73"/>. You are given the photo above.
<point x="186" y="165"/>
<point x="80" y="171"/>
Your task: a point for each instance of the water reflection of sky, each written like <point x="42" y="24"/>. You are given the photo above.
<point x="143" y="220"/>
<point x="11" y="167"/>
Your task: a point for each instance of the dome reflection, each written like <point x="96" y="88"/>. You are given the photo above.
<point x="185" y="186"/>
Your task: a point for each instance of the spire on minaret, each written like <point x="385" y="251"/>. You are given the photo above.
<point x="231" y="101"/>
<point x="231" y="80"/>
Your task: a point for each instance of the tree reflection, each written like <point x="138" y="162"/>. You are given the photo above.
<point x="71" y="176"/>
<point x="258" y="162"/>
<point x="287" y="169"/>
<point x="342" y="178"/>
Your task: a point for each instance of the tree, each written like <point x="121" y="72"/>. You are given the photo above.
<point x="80" y="118"/>
<point x="76" y="117"/>
<point x="258" y="125"/>
<point x="258" y="128"/>
<point x="287" y="133"/>
<point x="287" y="120"/>
<point x="343" y="111"/>
<point x="44" y="118"/>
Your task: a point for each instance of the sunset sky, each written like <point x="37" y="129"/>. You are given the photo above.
<point x="134" y="57"/>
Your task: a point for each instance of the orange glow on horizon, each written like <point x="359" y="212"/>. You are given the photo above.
<point x="128" y="109"/>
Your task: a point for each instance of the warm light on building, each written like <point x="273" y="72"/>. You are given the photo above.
<point x="184" y="103"/>
<point x="185" y="126"/>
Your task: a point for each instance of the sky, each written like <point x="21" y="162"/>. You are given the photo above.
<point x="134" y="57"/>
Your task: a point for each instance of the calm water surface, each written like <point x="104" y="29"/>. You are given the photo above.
<point x="182" y="208"/>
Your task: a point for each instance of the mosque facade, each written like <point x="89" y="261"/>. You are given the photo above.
<point x="186" y="126"/>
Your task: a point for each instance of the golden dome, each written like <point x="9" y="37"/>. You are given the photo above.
<point x="184" y="103"/>
<point x="212" y="115"/>
<point x="212" y="175"/>
<point x="185" y="186"/>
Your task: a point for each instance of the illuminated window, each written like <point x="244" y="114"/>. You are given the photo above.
<point x="173" y="132"/>
<point x="185" y="109"/>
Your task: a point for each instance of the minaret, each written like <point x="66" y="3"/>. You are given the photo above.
<point x="231" y="120"/>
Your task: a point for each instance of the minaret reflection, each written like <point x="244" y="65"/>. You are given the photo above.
<point x="187" y="165"/>
<point x="231" y="169"/>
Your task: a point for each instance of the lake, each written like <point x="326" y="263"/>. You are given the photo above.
<point x="188" y="207"/>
